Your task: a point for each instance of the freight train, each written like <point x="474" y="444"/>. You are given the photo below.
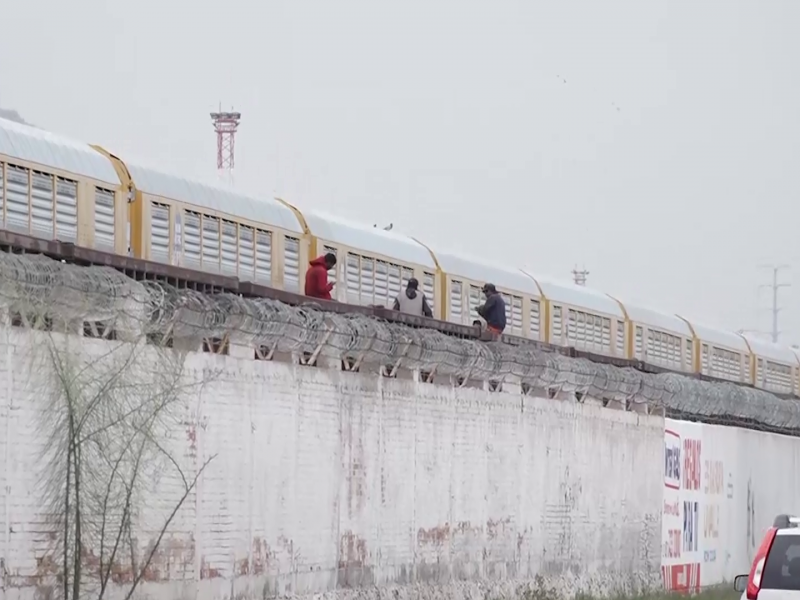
<point x="54" y="187"/>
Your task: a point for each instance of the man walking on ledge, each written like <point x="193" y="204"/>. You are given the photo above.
<point x="317" y="284"/>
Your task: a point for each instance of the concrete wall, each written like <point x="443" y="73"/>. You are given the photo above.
<point x="723" y="487"/>
<point x="326" y="480"/>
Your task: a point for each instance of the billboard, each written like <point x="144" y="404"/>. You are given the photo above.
<point x="682" y="552"/>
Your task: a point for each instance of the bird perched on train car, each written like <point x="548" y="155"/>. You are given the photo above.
<point x="493" y="310"/>
<point x="317" y="284"/>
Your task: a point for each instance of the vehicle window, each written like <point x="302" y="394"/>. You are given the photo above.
<point x="782" y="571"/>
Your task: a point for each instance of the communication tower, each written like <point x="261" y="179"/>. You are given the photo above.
<point x="225" y="125"/>
<point x="579" y="277"/>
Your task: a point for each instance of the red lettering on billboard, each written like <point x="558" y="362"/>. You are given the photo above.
<point x="681" y="578"/>
<point x="691" y="464"/>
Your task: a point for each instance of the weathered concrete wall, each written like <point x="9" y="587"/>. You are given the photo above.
<point x="723" y="487"/>
<point x="327" y="480"/>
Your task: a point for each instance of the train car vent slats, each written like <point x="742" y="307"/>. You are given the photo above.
<point x="372" y="281"/>
<point x="516" y="315"/>
<point x="456" y="302"/>
<point x="725" y="364"/>
<point x="17" y="192"/>
<point x="247" y="254"/>
<point x="191" y="241"/>
<point x="367" y="280"/>
<point x="620" y="338"/>
<point x="352" y="273"/>
<point x="588" y="331"/>
<point x="229" y="252"/>
<point x="66" y="210"/>
<point x="778" y="378"/>
<point x="210" y="244"/>
<point x="264" y="259"/>
<point x="291" y="264"/>
<point x="104" y="219"/>
<point x="382" y="283"/>
<point x="557" y="332"/>
<point x="663" y="349"/>
<point x="42" y="210"/>
<point x="638" y="348"/>
<point x="159" y="232"/>
<point x="395" y="282"/>
<point x="535" y="320"/>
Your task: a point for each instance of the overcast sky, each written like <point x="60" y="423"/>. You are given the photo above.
<point x="656" y="142"/>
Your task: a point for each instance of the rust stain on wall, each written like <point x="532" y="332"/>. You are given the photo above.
<point x="47" y="573"/>
<point x="173" y="559"/>
<point x="438" y="536"/>
<point x="435" y="536"/>
<point x="357" y="469"/>
<point x="262" y="556"/>
<point x="352" y="551"/>
<point x="191" y="435"/>
<point x="495" y="527"/>
<point x="207" y="571"/>
<point x="121" y="572"/>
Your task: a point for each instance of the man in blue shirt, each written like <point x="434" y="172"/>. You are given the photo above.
<point x="493" y="310"/>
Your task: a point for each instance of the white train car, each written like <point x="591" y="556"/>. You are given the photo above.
<point x="55" y="188"/>
<point x="208" y="227"/>
<point x="773" y="367"/>
<point x="659" y="338"/>
<point x="721" y="354"/>
<point x="373" y="265"/>
<point x="582" y="318"/>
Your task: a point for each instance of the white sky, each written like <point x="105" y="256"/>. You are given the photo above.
<point x="451" y="119"/>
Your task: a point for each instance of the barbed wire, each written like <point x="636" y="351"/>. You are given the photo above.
<point x="35" y="286"/>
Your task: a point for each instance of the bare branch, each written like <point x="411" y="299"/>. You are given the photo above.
<point x="164" y="529"/>
<point x="125" y="523"/>
<point x="110" y="411"/>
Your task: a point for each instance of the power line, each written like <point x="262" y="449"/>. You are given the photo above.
<point x="775" y="286"/>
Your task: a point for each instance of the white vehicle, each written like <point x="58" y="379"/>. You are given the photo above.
<point x="775" y="573"/>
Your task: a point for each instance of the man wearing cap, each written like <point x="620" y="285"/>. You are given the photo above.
<point x="413" y="302"/>
<point x="493" y="310"/>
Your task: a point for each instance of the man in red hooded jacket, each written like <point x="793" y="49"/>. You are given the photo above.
<point x="317" y="285"/>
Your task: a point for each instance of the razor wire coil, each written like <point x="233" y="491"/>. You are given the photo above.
<point x="37" y="286"/>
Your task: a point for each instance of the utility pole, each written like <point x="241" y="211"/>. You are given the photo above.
<point x="775" y="286"/>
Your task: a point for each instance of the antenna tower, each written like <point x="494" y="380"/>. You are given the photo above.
<point x="775" y="286"/>
<point x="579" y="277"/>
<point x="225" y="125"/>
